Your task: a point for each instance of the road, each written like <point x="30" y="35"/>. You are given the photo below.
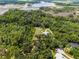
<point x="60" y="54"/>
<point x="3" y="10"/>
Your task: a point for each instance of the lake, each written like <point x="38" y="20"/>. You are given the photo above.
<point x="33" y="1"/>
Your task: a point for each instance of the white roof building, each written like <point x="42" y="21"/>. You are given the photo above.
<point x="45" y="33"/>
<point x="43" y="4"/>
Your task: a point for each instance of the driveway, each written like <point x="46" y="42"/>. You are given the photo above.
<point x="59" y="54"/>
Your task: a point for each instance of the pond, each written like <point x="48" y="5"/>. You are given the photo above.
<point x="74" y="44"/>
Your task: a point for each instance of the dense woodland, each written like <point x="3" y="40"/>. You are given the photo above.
<point x="17" y="29"/>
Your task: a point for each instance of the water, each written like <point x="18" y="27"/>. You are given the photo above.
<point x="18" y="1"/>
<point x="74" y="44"/>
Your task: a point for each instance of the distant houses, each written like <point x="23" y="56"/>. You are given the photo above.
<point x="36" y="6"/>
<point x="43" y="4"/>
<point x="27" y="6"/>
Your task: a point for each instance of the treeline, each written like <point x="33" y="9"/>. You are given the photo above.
<point x="59" y="10"/>
<point x="18" y="27"/>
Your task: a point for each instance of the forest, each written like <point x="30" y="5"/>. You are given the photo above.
<point x="17" y="29"/>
